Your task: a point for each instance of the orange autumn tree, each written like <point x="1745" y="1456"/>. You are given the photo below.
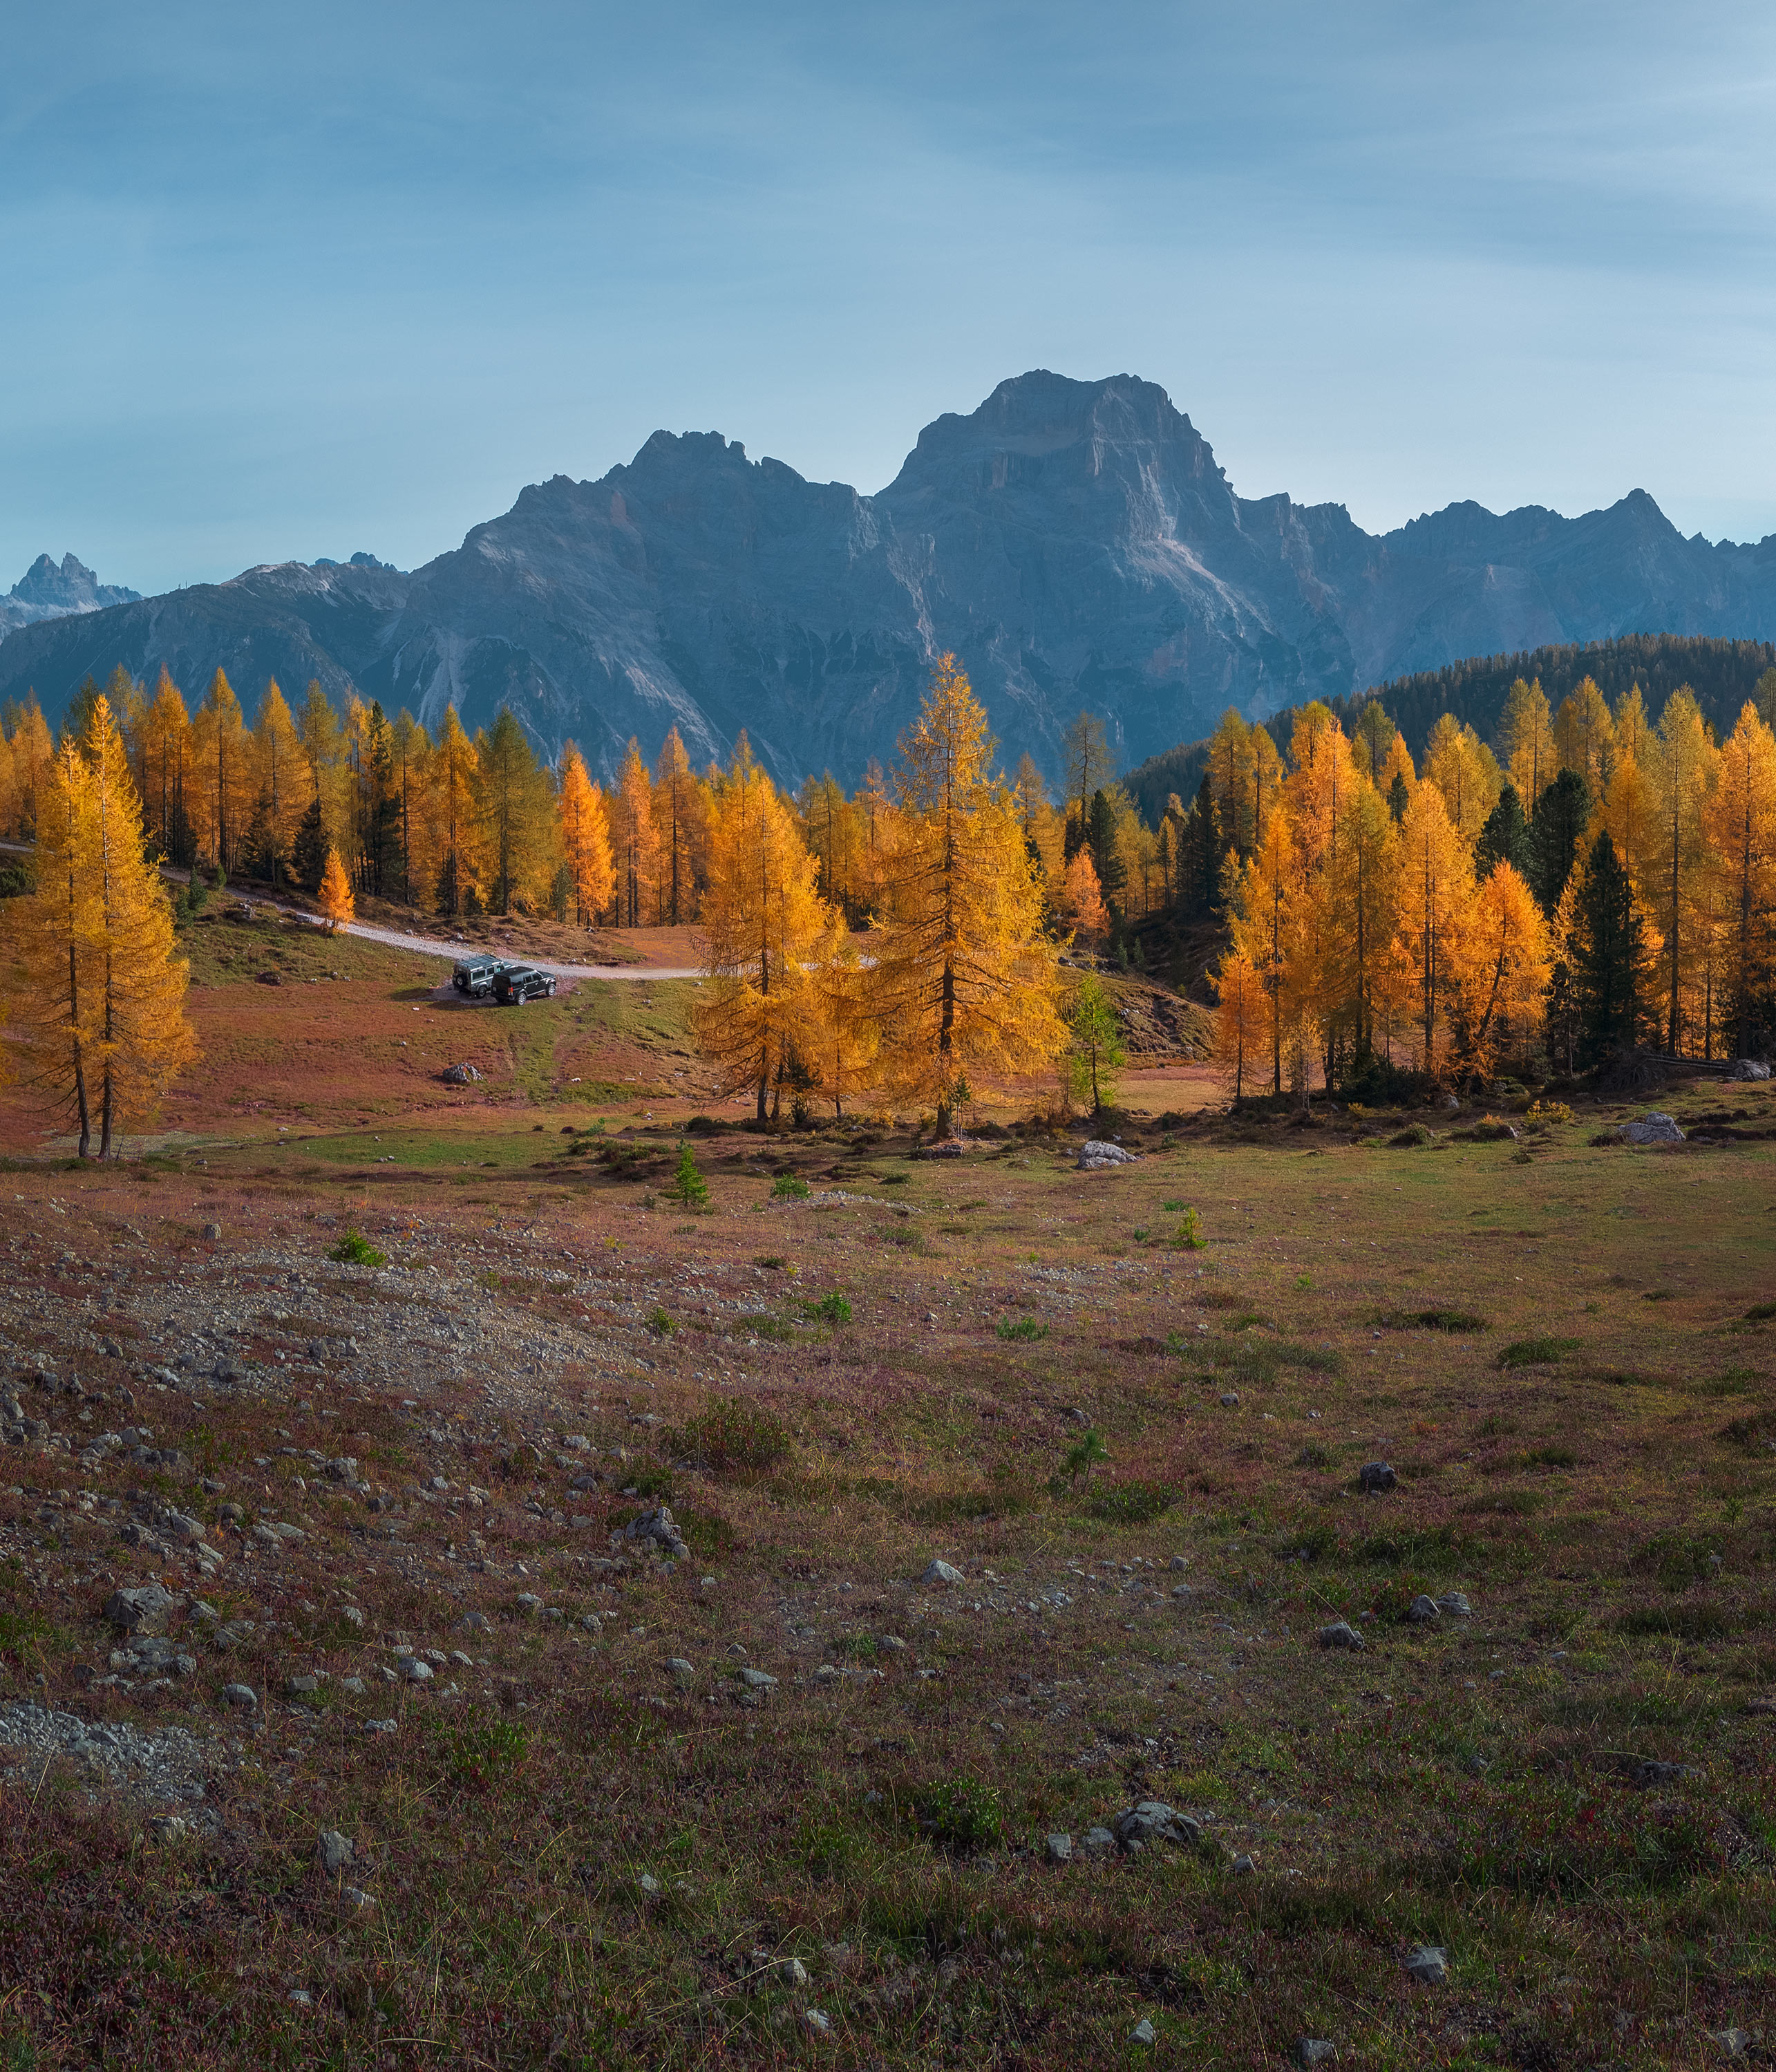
<point x="762" y="924"/>
<point x="336" y="900"/>
<point x="586" y="838"/>
<point x="1504" y="975"/>
<point x="965" y="978"/>
<point x="1242" y="1020"/>
<point x="1740" y="827"/>
<point x="1435" y="890"/>
<point x="1078" y="904"/>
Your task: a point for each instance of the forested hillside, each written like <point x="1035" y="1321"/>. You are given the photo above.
<point x="1722" y="674"/>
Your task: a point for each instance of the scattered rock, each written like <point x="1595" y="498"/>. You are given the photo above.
<point x="167" y="1828"/>
<point x="816" y="2021"/>
<point x="1230" y="1399"/>
<point x="142" y="1609"/>
<point x="460" y="1075"/>
<point x="355" y="1897"/>
<point x="890" y="1643"/>
<point x="1243" y="1867"/>
<point x="334" y="1851"/>
<point x="681" y="1671"/>
<point x="1749" y="1068"/>
<point x="1454" y="1604"/>
<point x="415" y="1671"/>
<point x="1374" y="1476"/>
<point x="240" y="1695"/>
<point x="1732" y="2042"/>
<point x="1059" y="1849"/>
<point x="1651" y="1129"/>
<point x="1429" y="1965"/>
<point x="941" y="1572"/>
<point x="1313" y="2050"/>
<point x="1342" y="1633"/>
<point x="826" y="1674"/>
<point x="1143" y="2032"/>
<point x="212" y="1231"/>
<point x="1151" y="1820"/>
<point x="1098" y="1841"/>
<point x="756" y="1679"/>
<point x="1423" y="1611"/>
<point x="657" y="1527"/>
<point x="793" y="1971"/>
<point x="1096" y="1157"/>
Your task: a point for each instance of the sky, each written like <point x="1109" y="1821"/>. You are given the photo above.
<point x="278" y="283"/>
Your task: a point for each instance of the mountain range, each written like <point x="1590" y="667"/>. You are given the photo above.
<point x="1075" y="542"/>
<point x="46" y="591"/>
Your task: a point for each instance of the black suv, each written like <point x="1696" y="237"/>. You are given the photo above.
<point x="515" y="983"/>
<point x="474" y="975"/>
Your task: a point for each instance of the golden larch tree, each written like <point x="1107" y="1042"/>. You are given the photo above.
<point x="1436" y="892"/>
<point x="586" y="838"/>
<point x="139" y="983"/>
<point x="1584" y="735"/>
<point x="1079" y="903"/>
<point x="222" y="759"/>
<point x="1739" y="825"/>
<point x="336" y="900"/>
<point x="965" y="979"/>
<point x="762" y="923"/>
<point x="454" y="770"/>
<point x="844" y="1035"/>
<point x="58" y="943"/>
<point x="1242" y="1020"/>
<point x="33" y="752"/>
<point x="634" y="841"/>
<point x="677" y="806"/>
<point x="1503" y="973"/>
<point x="1684" y="755"/>
<point x="282" y="779"/>
<point x="1525" y="741"/>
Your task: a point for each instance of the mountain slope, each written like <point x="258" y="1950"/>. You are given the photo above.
<point x="1075" y="542"/>
<point x="48" y="591"/>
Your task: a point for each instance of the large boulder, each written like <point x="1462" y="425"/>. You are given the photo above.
<point x="459" y="1075"/>
<point x="1096" y="1157"/>
<point x="1651" y="1129"/>
<point x="142" y="1609"/>
<point x="1153" y="1821"/>
<point x="1749" y="1068"/>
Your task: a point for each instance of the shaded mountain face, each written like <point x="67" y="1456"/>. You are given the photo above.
<point x="1073" y="541"/>
<point x="46" y="591"/>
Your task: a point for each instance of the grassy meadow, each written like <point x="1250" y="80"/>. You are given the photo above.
<point x="593" y="1836"/>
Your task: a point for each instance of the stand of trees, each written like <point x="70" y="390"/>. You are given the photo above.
<point x="1595" y="883"/>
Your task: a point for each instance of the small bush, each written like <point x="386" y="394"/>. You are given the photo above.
<point x="1132" y="1503"/>
<point x="1189" y="1235"/>
<point x="688" y="1186"/>
<point x="1020" y="1331"/>
<point x="1413" y="1137"/>
<point x="1761" y="1313"/>
<point x="773" y="1262"/>
<point x="1535" y="1352"/>
<point x="352" y="1250"/>
<point x="1431" y="1320"/>
<point x="729" y="1438"/>
<point x="790" y="1187"/>
<point x="1542" y="1114"/>
<point x="482" y="1755"/>
<point x="660" y="1323"/>
<point x="832" y="1309"/>
<point x="962" y="1816"/>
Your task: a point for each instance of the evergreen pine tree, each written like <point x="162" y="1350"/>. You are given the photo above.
<point x="1611" y="971"/>
<point x="1101" y="839"/>
<point x="1504" y="837"/>
<point x="308" y="858"/>
<point x="688" y="1186"/>
<point x="1399" y="797"/>
<point x="1554" y="836"/>
<point x="1201" y="875"/>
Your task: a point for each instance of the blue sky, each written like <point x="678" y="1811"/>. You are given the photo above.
<point x="284" y="283"/>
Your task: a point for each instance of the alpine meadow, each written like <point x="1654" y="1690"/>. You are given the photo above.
<point x="1002" y="1428"/>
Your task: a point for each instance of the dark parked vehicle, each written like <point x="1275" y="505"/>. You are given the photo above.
<point x="517" y="982"/>
<point x="474" y="975"/>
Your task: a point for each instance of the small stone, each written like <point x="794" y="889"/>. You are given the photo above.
<point x="355" y="1897"/>
<point x="648" y="1883"/>
<point x="167" y="1828"/>
<point x="352" y="1615"/>
<point x="1374" y="1476"/>
<point x="1455" y="1604"/>
<point x="793" y="1971"/>
<point x="240" y="1695"/>
<point x="354" y="1684"/>
<point x="1144" y="2032"/>
<point x="415" y="1671"/>
<point x="462" y="1661"/>
<point x="1152" y="1820"/>
<point x="681" y="1670"/>
<point x="1059" y="1849"/>
<point x="1423" y="1611"/>
<point x="1429" y="1965"/>
<point x="1096" y="1157"/>
<point x="299" y="1996"/>
<point x="1098" y="1841"/>
<point x="756" y="1679"/>
<point x="1342" y="1633"/>
<point x="1230" y="1399"/>
<point x="826" y="1674"/>
<point x="379" y="1726"/>
<point x="142" y="1609"/>
<point x="1732" y="2042"/>
<point x="1182" y="1592"/>
<point x="529" y="1603"/>
<point x="335" y="1852"/>
<point x="1313" y="2050"/>
<point x="941" y="1572"/>
<point x="1177" y="1561"/>
<point x="475" y="1622"/>
<point x="1243" y="1867"/>
<point x="816" y="2021"/>
<point x="212" y="1231"/>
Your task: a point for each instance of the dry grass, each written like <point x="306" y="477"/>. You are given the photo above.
<point x="578" y="1860"/>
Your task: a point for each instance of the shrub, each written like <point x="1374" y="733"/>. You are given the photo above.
<point x="790" y="1187"/>
<point x="1023" y="1330"/>
<point x="1132" y="1503"/>
<point x="832" y="1309"/>
<point x="773" y="1262"/>
<point x="1413" y="1137"/>
<point x="352" y="1250"/>
<point x="1542" y="1114"/>
<point x="660" y="1323"/>
<point x="1189" y="1237"/>
<point x="1761" y="1313"/>
<point x="728" y="1437"/>
<point x="1430" y="1319"/>
<point x="1535" y="1352"/>
<point x="962" y="1816"/>
<point x="1081" y="1458"/>
<point x="482" y="1755"/>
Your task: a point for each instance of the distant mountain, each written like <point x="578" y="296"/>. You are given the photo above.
<point x="1075" y="541"/>
<point x="46" y="591"/>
